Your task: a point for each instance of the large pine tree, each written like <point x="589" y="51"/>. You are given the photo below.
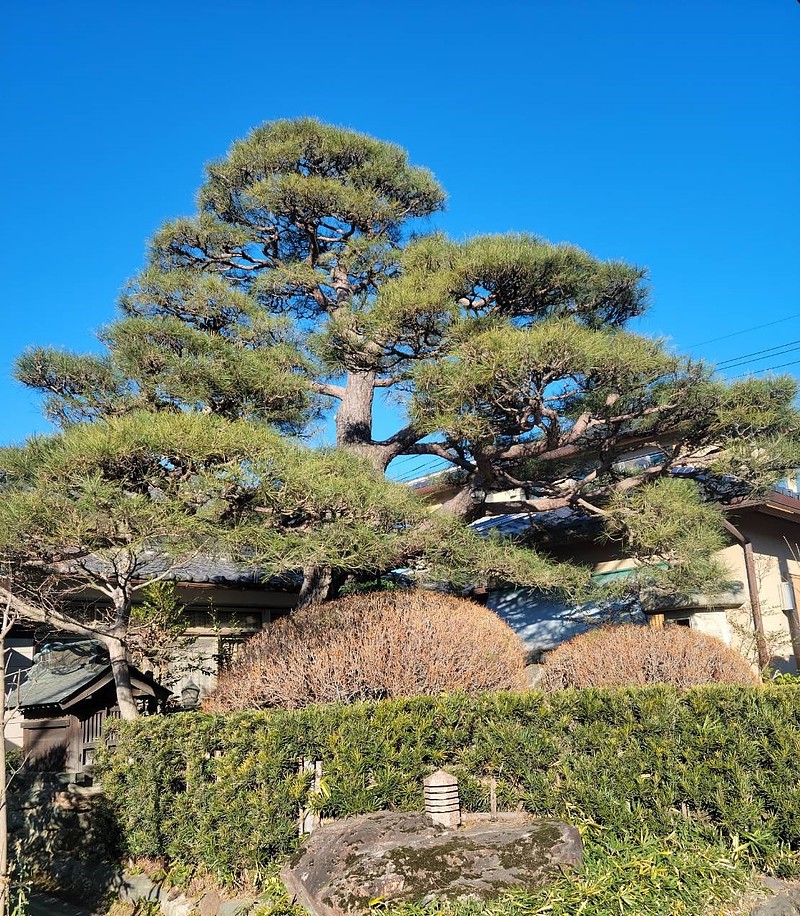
<point x="300" y="289"/>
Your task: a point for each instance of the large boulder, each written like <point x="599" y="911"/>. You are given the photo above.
<point x="390" y="856"/>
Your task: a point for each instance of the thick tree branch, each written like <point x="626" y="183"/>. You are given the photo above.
<point x="28" y="611"/>
<point x="440" y="451"/>
<point x="331" y="391"/>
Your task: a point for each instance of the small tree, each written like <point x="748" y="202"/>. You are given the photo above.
<point x="84" y="516"/>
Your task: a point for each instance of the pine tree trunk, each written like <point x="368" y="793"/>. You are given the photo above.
<point x="462" y="505"/>
<point x="317" y="581"/>
<point x="122" y="678"/>
<point x="354" y="417"/>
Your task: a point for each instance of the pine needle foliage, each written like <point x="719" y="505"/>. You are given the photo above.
<point x="112" y="505"/>
<point x="673" y="532"/>
<point x="308" y="284"/>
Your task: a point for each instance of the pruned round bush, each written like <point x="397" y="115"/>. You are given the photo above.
<point x="625" y="656"/>
<point x="373" y="646"/>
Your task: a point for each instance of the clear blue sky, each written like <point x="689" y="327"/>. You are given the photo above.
<point x="666" y="133"/>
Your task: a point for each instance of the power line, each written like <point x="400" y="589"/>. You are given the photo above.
<point x="756" y="327"/>
<point x="422" y="473"/>
<point x="767" y="352"/>
<point x="428" y="464"/>
<point x="767" y="369"/>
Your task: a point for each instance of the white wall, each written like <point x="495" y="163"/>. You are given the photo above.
<point x="19" y="657"/>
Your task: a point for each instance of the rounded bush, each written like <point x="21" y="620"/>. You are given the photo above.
<point x="625" y="656"/>
<point x="373" y="646"/>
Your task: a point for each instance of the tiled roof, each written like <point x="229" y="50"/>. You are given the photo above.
<point x="206" y="570"/>
<point x="552" y="525"/>
<point x="59" y="671"/>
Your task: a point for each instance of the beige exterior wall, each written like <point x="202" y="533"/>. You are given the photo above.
<point x="19" y="657"/>
<point x="774" y="545"/>
<point x="235" y="613"/>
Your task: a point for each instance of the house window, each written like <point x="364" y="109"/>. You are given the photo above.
<point x="229" y="647"/>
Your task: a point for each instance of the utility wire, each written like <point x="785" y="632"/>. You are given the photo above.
<point x="756" y="327"/>
<point x="428" y="464"/>
<point x="422" y="472"/>
<point x="757" y="355"/>
<point x="794" y="362"/>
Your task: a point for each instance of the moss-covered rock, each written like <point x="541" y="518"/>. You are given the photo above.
<point x="390" y="856"/>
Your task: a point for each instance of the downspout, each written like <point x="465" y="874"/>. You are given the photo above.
<point x="752" y="589"/>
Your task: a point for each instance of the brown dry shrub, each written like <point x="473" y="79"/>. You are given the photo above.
<point x="372" y="646"/>
<point x="627" y="656"/>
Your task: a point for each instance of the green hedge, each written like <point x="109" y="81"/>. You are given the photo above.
<point x="222" y="792"/>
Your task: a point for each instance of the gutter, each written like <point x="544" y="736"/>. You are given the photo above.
<point x="752" y="588"/>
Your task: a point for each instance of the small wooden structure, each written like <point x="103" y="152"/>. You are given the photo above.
<point x="67" y="697"/>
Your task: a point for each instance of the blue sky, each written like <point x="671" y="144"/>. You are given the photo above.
<point x="664" y="133"/>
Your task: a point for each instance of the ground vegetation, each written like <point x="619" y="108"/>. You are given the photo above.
<point x="707" y="765"/>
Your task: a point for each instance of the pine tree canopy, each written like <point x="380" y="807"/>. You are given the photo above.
<point x="310" y="279"/>
<point x="109" y="506"/>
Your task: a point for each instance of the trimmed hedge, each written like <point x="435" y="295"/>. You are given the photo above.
<point x="221" y="793"/>
<point x="373" y="646"/>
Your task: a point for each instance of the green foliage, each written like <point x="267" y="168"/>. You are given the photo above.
<point x="299" y="288"/>
<point x="121" y="494"/>
<point x="714" y="765"/>
<point x="516" y="276"/>
<point x="298" y="226"/>
<point x="669" y="523"/>
<point x="452" y="552"/>
<point x="77" y="387"/>
<point x="156" y="638"/>
<point x="782" y="677"/>
<point x="149" y="485"/>
<point x="493" y="374"/>
<point x="18" y="901"/>
<point x="160" y="609"/>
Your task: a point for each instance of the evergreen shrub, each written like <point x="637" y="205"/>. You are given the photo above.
<point x="221" y="793"/>
<point x="372" y="646"/>
<point x="630" y="655"/>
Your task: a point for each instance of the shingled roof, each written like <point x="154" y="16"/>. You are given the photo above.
<point x="63" y="672"/>
<point x="206" y="570"/>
